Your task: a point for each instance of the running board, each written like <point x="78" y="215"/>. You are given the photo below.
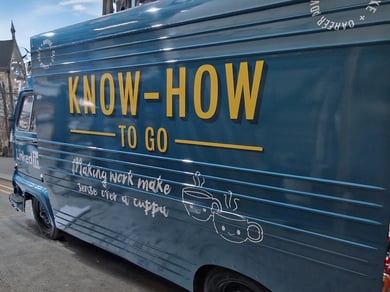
<point x="17" y="201"/>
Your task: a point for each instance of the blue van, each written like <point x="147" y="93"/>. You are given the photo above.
<point x="223" y="145"/>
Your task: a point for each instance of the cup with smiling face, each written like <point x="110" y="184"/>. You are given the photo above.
<point x="235" y="228"/>
<point x="199" y="203"/>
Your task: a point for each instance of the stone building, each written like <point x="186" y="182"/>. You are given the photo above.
<point x="12" y="78"/>
<point x="111" y="6"/>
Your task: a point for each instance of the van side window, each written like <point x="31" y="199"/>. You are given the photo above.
<point x="26" y="118"/>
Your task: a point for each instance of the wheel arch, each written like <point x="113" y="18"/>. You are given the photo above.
<point x="31" y="191"/>
<point x="202" y="273"/>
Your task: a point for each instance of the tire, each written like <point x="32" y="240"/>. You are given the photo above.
<point x="221" y="280"/>
<point x="45" y="223"/>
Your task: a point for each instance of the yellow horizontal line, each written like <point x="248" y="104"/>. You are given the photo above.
<point x="4" y="192"/>
<point x="85" y="132"/>
<point x="7" y="187"/>
<point x="151" y="95"/>
<point x="220" y="145"/>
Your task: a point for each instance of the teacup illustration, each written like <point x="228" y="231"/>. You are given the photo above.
<point x="237" y="229"/>
<point x="199" y="203"/>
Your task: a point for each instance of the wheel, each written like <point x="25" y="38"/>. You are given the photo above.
<point x="221" y="280"/>
<point x="42" y="218"/>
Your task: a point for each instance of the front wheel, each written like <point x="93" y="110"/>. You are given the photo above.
<point x="221" y="280"/>
<point x="43" y="220"/>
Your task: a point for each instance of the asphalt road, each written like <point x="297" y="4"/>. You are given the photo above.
<point x="29" y="262"/>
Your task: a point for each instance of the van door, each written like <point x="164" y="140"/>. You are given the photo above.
<point x="25" y="138"/>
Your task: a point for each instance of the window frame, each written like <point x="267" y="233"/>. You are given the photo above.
<point x="29" y="114"/>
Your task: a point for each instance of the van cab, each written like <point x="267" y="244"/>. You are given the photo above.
<point x="27" y="179"/>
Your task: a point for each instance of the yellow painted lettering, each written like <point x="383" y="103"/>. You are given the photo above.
<point x="129" y="92"/>
<point x="111" y="87"/>
<point x="122" y="128"/>
<point x="242" y="88"/>
<point x="132" y="139"/>
<point x="149" y="139"/>
<point x="162" y="140"/>
<point x="213" y="96"/>
<point x="72" y="87"/>
<point x="179" y="91"/>
<point x="89" y="94"/>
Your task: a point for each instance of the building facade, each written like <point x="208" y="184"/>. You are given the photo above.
<point x="12" y="78"/>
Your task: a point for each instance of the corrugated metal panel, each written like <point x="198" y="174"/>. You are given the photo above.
<point x="319" y="191"/>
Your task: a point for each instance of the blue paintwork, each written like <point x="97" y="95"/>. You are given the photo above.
<point x="311" y="209"/>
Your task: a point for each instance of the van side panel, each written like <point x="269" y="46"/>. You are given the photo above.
<point x="252" y="135"/>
